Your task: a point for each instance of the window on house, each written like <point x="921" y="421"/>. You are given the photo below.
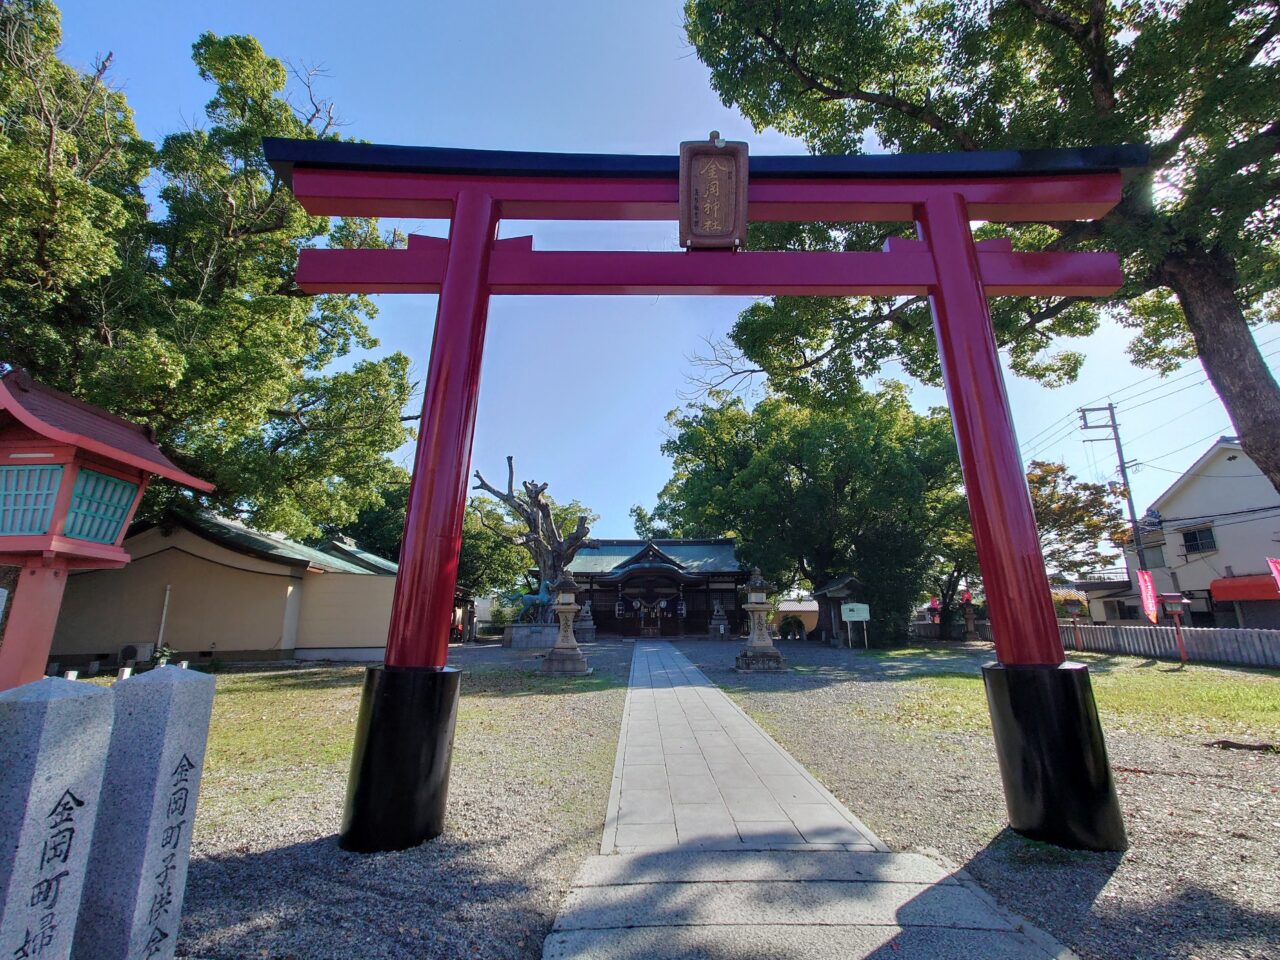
<point x="1119" y="610"/>
<point x="1198" y="541"/>
<point x="1154" y="554"/>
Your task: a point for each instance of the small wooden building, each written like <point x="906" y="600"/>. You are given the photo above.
<point x="211" y="588"/>
<point x="660" y="588"/>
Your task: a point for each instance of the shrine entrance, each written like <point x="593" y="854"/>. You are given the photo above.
<point x="1058" y="784"/>
<point x="663" y="588"/>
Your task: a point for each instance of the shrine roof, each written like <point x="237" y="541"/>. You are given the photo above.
<point x="267" y="546"/>
<point x="694" y="556"/>
<point x="62" y="418"/>
<point x="285" y="154"/>
<point x="838" y="586"/>
<point x="352" y="552"/>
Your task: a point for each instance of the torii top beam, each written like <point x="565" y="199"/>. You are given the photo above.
<point x="347" y="179"/>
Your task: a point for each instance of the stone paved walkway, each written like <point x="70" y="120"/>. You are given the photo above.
<point x="693" y="769"/>
<point x="719" y="845"/>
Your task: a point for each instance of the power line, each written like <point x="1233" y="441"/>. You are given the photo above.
<point x="1196" y="383"/>
<point x="1160" y="398"/>
<point x="1216" y="433"/>
<point x="1165" y="426"/>
<point x="1164" y="377"/>
<point x="1112" y="395"/>
<point x="1204" y="476"/>
<point x="1167" y="382"/>
<point x="1225" y="513"/>
<point x="1050" y="442"/>
<point x="1232" y="523"/>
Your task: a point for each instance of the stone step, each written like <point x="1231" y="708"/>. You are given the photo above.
<point x="811" y="904"/>
<point x="698" y="866"/>
<point x="792" y="943"/>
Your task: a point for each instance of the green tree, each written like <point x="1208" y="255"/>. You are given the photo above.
<point x="955" y="561"/>
<point x="379" y="528"/>
<point x="1199" y="80"/>
<point x="816" y="493"/>
<point x="488" y="561"/>
<point x="186" y="316"/>
<point x="658" y="525"/>
<point x="1076" y="520"/>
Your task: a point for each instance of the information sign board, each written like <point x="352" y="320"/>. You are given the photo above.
<point x="855" y="612"/>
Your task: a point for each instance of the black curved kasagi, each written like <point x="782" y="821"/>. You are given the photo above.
<point x="284" y="155"/>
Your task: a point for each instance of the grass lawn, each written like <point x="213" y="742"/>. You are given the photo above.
<point x="1148" y="696"/>
<point x="532" y="764"/>
<point x="286" y="734"/>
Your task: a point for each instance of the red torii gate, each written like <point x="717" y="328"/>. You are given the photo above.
<point x="1058" y="783"/>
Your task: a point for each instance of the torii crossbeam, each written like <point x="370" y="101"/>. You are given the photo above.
<point x="1057" y="781"/>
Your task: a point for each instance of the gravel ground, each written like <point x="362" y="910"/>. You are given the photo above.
<point x="531" y="772"/>
<point x="1200" y="880"/>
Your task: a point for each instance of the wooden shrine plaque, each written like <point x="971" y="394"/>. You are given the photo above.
<point x="713" y="193"/>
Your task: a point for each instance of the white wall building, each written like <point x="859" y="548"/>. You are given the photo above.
<point x="1208" y="537"/>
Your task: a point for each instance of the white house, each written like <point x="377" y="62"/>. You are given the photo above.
<point x="1208" y="537"/>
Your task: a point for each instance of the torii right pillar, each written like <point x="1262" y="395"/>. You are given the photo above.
<point x="1058" y="784"/>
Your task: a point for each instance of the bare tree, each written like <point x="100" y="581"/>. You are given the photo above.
<point x="551" y="550"/>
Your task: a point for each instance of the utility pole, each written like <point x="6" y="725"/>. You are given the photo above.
<point x="1110" y="411"/>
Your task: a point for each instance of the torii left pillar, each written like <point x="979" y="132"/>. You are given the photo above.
<point x="399" y="783"/>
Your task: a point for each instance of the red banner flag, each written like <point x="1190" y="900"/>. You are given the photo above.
<point x="1147" y="587"/>
<point x="1275" y="569"/>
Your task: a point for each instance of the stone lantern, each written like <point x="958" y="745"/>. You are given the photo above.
<point x="970" y="617"/>
<point x="71" y="478"/>
<point x="565" y="659"/>
<point x="759" y="653"/>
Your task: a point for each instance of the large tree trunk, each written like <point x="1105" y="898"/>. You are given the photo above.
<point x="827" y="613"/>
<point x="1205" y="284"/>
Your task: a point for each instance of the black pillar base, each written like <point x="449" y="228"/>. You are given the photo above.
<point x="400" y="764"/>
<point x="1053" y="761"/>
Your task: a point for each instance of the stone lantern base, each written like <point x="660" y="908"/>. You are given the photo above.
<point x="767" y="658"/>
<point x="563" y="662"/>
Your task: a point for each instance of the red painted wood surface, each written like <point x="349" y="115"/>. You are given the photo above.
<point x="1014" y="199"/>
<point x="516" y="268"/>
<point x="1019" y="605"/>
<point x="422" y="609"/>
<point x="32" y="615"/>
<point x="62" y="419"/>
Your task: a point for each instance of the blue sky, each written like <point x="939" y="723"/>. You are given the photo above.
<point x="573" y="75"/>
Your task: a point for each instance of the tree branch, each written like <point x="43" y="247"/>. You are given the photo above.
<point x="829" y="91"/>
<point x="728" y="361"/>
<point x="1091" y="37"/>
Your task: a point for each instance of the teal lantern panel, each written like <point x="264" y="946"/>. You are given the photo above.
<point x="27" y="495"/>
<point x="99" y="506"/>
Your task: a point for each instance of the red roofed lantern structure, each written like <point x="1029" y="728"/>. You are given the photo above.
<point x="71" y="478"/>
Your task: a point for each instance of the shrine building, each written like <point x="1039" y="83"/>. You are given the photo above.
<point x="661" y="588"/>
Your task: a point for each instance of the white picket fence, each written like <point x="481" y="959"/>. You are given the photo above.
<point x="933" y="631"/>
<point x="1250" y="648"/>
